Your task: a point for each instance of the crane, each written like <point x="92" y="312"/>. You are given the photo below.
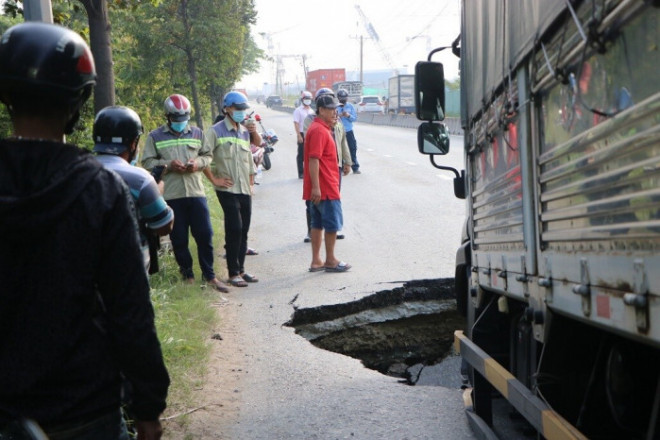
<point x="277" y="58"/>
<point x="374" y="36"/>
<point x="280" y="68"/>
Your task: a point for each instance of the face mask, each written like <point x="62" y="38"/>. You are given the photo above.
<point x="178" y="126"/>
<point x="134" y="157"/>
<point x="238" y="116"/>
<point x="307" y="101"/>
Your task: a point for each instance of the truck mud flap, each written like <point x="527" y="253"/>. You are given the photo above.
<point x="546" y="421"/>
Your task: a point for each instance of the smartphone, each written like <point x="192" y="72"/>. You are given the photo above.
<point x="157" y="172"/>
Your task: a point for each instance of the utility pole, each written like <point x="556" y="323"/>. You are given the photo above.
<point x="361" y="59"/>
<point x="38" y="10"/>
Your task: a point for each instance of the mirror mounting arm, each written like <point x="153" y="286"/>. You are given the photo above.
<point x="440" y="167"/>
<point x="434" y="51"/>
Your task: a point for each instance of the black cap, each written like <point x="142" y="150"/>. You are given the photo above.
<point x="327" y="101"/>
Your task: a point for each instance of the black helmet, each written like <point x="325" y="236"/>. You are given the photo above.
<point x="45" y="62"/>
<point x="115" y="129"/>
<point x="342" y="95"/>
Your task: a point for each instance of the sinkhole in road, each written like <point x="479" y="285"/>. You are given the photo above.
<point x="396" y="332"/>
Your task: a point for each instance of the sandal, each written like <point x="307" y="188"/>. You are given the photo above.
<point x="218" y="285"/>
<point x="249" y="278"/>
<point x="237" y="281"/>
<point x="251" y="251"/>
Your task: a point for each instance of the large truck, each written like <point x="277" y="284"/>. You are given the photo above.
<point x="400" y="94"/>
<point x="559" y="269"/>
<point x="353" y="88"/>
<point x="317" y="79"/>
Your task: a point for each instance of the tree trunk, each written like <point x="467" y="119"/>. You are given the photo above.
<point x="99" y="36"/>
<point x="193" y="88"/>
<point x="192" y="71"/>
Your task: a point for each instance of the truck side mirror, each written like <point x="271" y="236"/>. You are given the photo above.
<point x="429" y="91"/>
<point x="432" y="138"/>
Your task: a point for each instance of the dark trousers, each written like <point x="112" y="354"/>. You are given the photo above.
<point x="300" y="158"/>
<point x="238" y="214"/>
<point x="352" y="147"/>
<point x="191" y="215"/>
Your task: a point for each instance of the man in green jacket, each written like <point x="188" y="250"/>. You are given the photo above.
<point x="179" y="147"/>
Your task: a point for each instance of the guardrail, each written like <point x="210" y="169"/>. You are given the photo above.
<point x="392" y="120"/>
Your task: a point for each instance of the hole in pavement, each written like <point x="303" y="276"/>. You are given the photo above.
<point x="404" y="332"/>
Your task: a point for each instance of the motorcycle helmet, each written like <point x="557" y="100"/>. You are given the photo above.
<point x="43" y="65"/>
<point x="235" y="99"/>
<point x="306" y="94"/>
<point x="342" y="95"/>
<point x="177" y="108"/>
<point x="323" y="91"/>
<point x="115" y="129"/>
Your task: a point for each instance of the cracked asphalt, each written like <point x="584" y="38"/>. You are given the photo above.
<point x="401" y="223"/>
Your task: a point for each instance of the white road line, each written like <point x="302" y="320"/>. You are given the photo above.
<point x="412" y="163"/>
<point x="387" y="155"/>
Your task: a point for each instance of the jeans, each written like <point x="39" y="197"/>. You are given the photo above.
<point x="238" y="214"/>
<point x="192" y="214"/>
<point x="108" y="427"/>
<point x="352" y="147"/>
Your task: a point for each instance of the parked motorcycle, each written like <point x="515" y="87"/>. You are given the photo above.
<point x="269" y="138"/>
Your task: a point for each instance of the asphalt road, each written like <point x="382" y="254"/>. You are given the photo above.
<point x="402" y="222"/>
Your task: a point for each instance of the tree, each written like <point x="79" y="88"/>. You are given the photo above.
<point x="99" y="42"/>
<point x="195" y="48"/>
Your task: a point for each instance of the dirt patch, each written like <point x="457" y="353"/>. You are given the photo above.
<point x="217" y="402"/>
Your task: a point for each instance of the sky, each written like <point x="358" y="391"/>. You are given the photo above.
<point x="328" y="34"/>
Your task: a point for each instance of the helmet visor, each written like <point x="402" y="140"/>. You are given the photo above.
<point x="179" y="118"/>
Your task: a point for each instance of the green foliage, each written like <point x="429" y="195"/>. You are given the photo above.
<point x="153" y="51"/>
<point x="156" y="46"/>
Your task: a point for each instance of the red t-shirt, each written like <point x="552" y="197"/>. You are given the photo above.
<point x="319" y="144"/>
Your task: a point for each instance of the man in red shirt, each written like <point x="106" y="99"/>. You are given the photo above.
<point x="321" y="186"/>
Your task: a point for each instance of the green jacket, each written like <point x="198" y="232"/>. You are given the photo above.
<point x="163" y="146"/>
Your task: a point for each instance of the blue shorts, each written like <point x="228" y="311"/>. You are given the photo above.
<point x="327" y="215"/>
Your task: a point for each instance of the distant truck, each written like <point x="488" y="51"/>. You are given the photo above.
<point x="354" y="89"/>
<point x="317" y="79"/>
<point x="401" y="94"/>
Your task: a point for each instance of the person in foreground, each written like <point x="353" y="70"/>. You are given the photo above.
<point x="321" y="186"/>
<point x="116" y="135"/>
<point x="76" y="319"/>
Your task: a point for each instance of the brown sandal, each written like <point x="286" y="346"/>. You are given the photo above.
<point x="218" y="285"/>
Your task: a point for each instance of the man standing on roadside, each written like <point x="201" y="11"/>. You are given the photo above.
<point x="179" y="147"/>
<point x="299" y="115"/>
<point x="321" y="186"/>
<point x="348" y="115"/>
<point x="75" y="311"/>
<point x="229" y="142"/>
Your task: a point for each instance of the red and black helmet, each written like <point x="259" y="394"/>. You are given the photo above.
<point x="177" y="108"/>
<point x="45" y="66"/>
<point x="45" y="60"/>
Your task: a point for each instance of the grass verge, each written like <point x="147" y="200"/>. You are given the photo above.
<point x="186" y="318"/>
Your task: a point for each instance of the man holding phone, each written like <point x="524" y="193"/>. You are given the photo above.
<point x="179" y="147"/>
